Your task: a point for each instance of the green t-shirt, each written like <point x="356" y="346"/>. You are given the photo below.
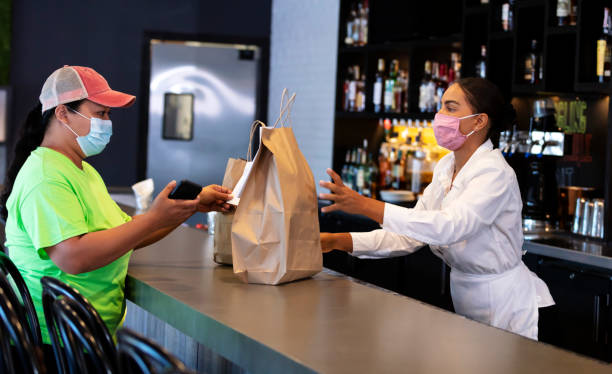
<point x="53" y="200"/>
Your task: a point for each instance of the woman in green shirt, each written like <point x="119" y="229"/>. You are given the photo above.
<point x="60" y="220"/>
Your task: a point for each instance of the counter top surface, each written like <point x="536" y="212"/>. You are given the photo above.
<point x="327" y="324"/>
<point x="569" y="248"/>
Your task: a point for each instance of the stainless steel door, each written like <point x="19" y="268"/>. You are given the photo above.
<point x="223" y="80"/>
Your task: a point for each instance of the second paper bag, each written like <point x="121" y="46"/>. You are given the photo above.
<point x="275" y="232"/>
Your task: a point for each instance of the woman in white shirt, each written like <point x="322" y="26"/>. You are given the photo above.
<point x="470" y="215"/>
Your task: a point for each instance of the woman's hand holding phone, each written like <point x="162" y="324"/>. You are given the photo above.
<point x="171" y="212"/>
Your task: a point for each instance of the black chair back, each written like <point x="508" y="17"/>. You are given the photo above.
<point x="9" y="269"/>
<point x="13" y="328"/>
<point x="77" y="336"/>
<point x="138" y="354"/>
<point x="53" y="289"/>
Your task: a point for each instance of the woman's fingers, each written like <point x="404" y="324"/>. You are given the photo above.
<point x="331" y="208"/>
<point x="328" y="196"/>
<point x="335" y="177"/>
<point x="330" y="186"/>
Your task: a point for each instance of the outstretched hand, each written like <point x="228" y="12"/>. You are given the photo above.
<point x="343" y="197"/>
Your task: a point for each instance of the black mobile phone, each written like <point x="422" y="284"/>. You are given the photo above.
<point x="186" y="190"/>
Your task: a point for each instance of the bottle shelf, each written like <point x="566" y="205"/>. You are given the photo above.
<point x="383" y="115"/>
<point x="593" y="87"/>
<point x="452" y="41"/>
<point x="477" y="9"/>
<point x="354" y="49"/>
<point x="561" y="30"/>
<point x="500" y="35"/>
<point x="526" y="88"/>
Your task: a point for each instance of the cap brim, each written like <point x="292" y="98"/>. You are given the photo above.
<point x="113" y="99"/>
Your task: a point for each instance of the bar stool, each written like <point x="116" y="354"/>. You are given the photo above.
<point x="9" y="269"/>
<point x="13" y="328"/>
<point x="138" y="354"/>
<point x="76" y="336"/>
<point x="53" y="289"/>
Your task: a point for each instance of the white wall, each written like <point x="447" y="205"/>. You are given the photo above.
<point x="303" y="54"/>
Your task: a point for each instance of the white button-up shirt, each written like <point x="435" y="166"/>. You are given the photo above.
<point x="475" y="225"/>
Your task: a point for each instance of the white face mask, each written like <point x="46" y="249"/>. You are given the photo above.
<point x="100" y="131"/>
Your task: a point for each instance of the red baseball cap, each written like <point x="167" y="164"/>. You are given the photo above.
<point x="72" y="83"/>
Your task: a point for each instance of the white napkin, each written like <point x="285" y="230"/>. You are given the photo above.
<point x="143" y="191"/>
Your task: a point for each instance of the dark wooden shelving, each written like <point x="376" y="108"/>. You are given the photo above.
<point x="526" y="88"/>
<point x="501" y="35"/>
<point x="359" y="49"/>
<point x="561" y="30"/>
<point x="593" y="87"/>
<point x="477" y="9"/>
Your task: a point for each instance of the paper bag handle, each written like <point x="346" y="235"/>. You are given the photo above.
<point x="285" y="109"/>
<point x="253" y="127"/>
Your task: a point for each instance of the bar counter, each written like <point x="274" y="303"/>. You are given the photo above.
<point x="326" y="324"/>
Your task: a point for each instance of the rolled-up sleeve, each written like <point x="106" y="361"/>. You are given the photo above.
<point x="384" y="243"/>
<point x="381" y="243"/>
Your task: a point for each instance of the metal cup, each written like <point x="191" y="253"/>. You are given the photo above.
<point x="597" y="218"/>
<point x="587" y="218"/>
<point x="578" y="212"/>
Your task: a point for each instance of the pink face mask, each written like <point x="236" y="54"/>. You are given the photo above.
<point x="446" y="130"/>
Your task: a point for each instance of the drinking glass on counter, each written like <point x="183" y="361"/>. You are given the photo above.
<point x="588" y="217"/>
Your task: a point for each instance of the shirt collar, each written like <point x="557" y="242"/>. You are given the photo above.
<point x="446" y="173"/>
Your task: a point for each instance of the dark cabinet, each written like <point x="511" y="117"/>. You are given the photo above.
<point x="580" y="319"/>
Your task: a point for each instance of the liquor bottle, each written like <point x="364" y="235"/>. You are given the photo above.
<point x="378" y="86"/>
<point x="372" y="177"/>
<point x="603" y="44"/>
<point x="508" y="15"/>
<point x="573" y="12"/>
<point x="387" y="125"/>
<point x="356" y="25"/>
<point x="404" y="95"/>
<point x="563" y="12"/>
<point x="481" y="65"/>
<point x="365" y="20"/>
<point x="350" y="25"/>
<point x="532" y="64"/>
<point x="361" y="95"/>
<point x="456" y="65"/>
<point x="398" y="171"/>
<point x="353" y="170"/>
<point x="359" y="172"/>
<point x="430" y="87"/>
<point x="511" y="15"/>
<point x="363" y="24"/>
<point x="441" y="86"/>
<point x="353" y="89"/>
<point x="389" y="84"/>
<point x="504" y="15"/>
<point x="397" y="91"/>
<point x="417" y="165"/>
<point x="345" y="168"/>
<point x="423" y="88"/>
<point x="383" y="169"/>
<point x="346" y="89"/>
<point x="359" y="28"/>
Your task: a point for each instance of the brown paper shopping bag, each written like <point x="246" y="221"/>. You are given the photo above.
<point x="222" y="252"/>
<point x="275" y="232"/>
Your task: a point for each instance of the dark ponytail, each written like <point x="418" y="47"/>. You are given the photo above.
<point x="31" y="135"/>
<point x="485" y="97"/>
